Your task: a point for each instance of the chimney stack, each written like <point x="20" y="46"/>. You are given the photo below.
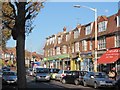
<point x="64" y="29"/>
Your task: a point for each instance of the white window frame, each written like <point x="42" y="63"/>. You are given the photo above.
<point x="102" y="26"/>
<point x="88" y="29"/>
<point x="84" y="45"/>
<point x="118" y="21"/>
<point x="58" y="50"/>
<point x="77" y="47"/>
<point x="51" y="52"/>
<point x="59" y="39"/>
<point x="73" y="49"/>
<point x="91" y="45"/>
<point x="117" y="40"/>
<point x="64" y="49"/>
<point x="102" y="43"/>
<point x="67" y="37"/>
<point x="48" y="53"/>
<point x="76" y="34"/>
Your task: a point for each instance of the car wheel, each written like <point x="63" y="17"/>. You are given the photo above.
<point x="76" y="82"/>
<point x="63" y="81"/>
<point x="84" y="84"/>
<point x="95" y="85"/>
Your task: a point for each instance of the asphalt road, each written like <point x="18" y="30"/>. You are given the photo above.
<point x="31" y="84"/>
<point x="0" y="82"/>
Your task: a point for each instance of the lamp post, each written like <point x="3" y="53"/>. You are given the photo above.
<point x="95" y="11"/>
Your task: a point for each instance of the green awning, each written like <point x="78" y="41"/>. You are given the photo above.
<point x="62" y="56"/>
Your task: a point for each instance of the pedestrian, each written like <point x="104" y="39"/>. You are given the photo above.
<point x="112" y="74"/>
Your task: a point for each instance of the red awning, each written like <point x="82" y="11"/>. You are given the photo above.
<point x="109" y="56"/>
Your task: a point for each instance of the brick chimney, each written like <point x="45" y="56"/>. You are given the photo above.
<point x="64" y="29"/>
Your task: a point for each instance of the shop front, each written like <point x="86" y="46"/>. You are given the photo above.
<point x="86" y="62"/>
<point x="57" y="61"/>
<point x="110" y="59"/>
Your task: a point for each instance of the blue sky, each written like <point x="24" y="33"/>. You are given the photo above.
<point x="55" y="15"/>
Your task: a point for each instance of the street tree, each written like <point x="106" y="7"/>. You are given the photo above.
<point x="18" y="17"/>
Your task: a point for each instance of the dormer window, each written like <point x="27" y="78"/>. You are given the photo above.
<point x="102" y="26"/>
<point x="118" y="21"/>
<point x="76" y="34"/>
<point x="67" y="37"/>
<point x="88" y="29"/>
<point x="59" y="40"/>
<point x="58" y="50"/>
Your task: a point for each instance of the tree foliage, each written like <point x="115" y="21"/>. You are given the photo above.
<point x="18" y="18"/>
<point x="10" y="12"/>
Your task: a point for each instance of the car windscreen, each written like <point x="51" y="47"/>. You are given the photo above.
<point x="9" y="73"/>
<point x="101" y="75"/>
<point x="54" y="70"/>
<point x="67" y="72"/>
<point x="42" y="70"/>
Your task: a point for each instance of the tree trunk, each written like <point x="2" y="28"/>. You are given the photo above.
<point x="20" y="48"/>
<point x="21" y="72"/>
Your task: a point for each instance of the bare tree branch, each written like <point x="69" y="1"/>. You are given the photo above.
<point x="8" y="26"/>
<point x="16" y="3"/>
<point x="28" y="8"/>
<point x="28" y="16"/>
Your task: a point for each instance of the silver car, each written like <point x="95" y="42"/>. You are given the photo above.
<point x="30" y="72"/>
<point x="9" y="77"/>
<point x="97" y="79"/>
<point x="42" y="74"/>
<point x="61" y="74"/>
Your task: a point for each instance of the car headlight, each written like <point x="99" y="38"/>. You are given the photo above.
<point x="15" y="79"/>
<point x="47" y="77"/>
<point x="38" y="76"/>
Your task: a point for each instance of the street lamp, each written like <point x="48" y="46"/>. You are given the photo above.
<point x="95" y="11"/>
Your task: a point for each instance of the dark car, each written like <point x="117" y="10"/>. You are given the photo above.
<point x="75" y="77"/>
<point x="9" y="77"/>
<point x="117" y="84"/>
<point x="5" y="68"/>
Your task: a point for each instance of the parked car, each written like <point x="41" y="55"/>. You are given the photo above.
<point x="5" y="68"/>
<point x="30" y="72"/>
<point x="9" y="77"/>
<point x="42" y="74"/>
<point x="61" y="74"/>
<point x="53" y="72"/>
<point x="0" y="72"/>
<point x="117" y="84"/>
<point x="75" y="77"/>
<point x="97" y="79"/>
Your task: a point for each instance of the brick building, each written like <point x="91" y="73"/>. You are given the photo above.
<point x="76" y="48"/>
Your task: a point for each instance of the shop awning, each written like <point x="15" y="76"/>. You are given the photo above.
<point x="61" y="56"/>
<point x="109" y="56"/>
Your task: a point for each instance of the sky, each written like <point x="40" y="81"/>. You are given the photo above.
<point x="57" y="15"/>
